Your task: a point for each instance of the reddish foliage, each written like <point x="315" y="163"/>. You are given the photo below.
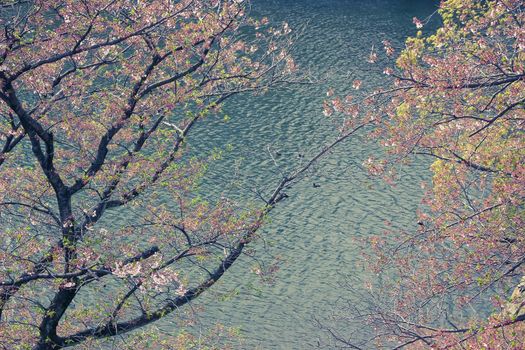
<point x="103" y="231"/>
<point x="457" y="97"/>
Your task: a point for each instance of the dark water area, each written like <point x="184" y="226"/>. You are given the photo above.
<point x="314" y="233"/>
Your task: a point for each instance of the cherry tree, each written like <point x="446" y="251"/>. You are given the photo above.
<point x="457" y="99"/>
<point x="104" y="230"/>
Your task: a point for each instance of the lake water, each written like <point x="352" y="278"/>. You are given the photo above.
<point x="313" y="232"/>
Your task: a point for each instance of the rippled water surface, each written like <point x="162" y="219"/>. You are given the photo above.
<point x="314" y="231"/>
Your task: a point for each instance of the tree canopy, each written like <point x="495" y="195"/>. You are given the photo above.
<point x="103" y="230"/>
<point x="457" y="98"/>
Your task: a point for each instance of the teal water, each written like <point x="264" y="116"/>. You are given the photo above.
<point x="314" y="233"/>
